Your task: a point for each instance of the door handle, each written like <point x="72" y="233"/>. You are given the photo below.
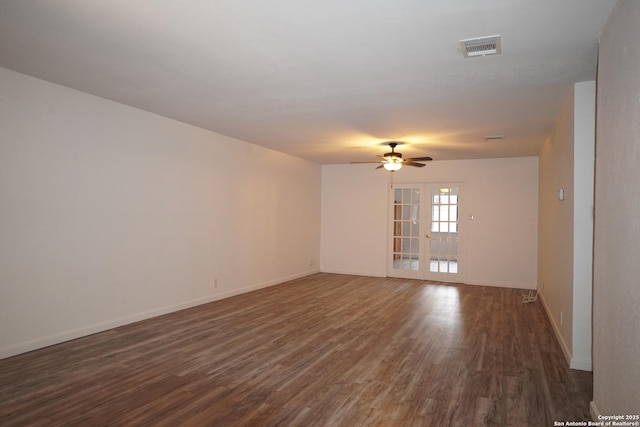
<point x="428" y="236"/>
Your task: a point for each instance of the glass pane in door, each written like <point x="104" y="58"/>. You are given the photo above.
<point x="443" y="244"/>
<point x="406" y="229"/>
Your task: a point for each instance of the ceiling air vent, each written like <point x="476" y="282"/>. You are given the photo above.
<point x="481" y="46"/>
<point x="494" y="137"/>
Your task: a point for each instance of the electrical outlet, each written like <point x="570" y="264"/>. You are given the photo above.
<point x="310" y="262"/>
<point x="214" y="284"/>
<point x="561" y="318"/>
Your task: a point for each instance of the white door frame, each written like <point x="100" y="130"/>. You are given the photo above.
<point x="423" y="271"/>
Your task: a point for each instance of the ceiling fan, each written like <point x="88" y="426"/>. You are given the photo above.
<point x="394" y="161"/>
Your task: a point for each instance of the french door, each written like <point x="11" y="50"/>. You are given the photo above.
<point x="424" y="241"/>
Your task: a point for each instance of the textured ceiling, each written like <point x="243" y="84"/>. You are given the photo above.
<point x="322" y="80"/>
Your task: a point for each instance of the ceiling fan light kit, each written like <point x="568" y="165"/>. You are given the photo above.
<point x="392" y="165"/>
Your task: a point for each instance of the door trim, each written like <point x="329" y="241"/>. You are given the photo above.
<point x="425" y="227"/>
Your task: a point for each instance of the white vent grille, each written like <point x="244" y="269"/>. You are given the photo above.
<point x="481" y="46"/>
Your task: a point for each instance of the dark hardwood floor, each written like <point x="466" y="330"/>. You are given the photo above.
<point x="325" y="350"/>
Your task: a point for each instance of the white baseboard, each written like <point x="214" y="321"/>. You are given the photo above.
<point x="556" y="330"/>
<point x="500" y="284"/>
<point x="72" y="334"/>
<point x="35" y="344"/>
<point x="574" y="363"/>
<point x="354" y="272"/>
<point x="593" y="411"/>
<point x="581" y="364"/>
<point x="467" y="282"/>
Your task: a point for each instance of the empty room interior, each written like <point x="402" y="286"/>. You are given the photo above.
<point x="347" y="213"/>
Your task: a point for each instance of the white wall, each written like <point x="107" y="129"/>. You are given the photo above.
<point x="109" y="214"/>
<point x="583" y="206"/>
<point x="500" y="244"/>
<point x="555" y="245"/>
<point x="354" y="212"/>
<point x="616" y="285"/>
<point x="566" y="227"/>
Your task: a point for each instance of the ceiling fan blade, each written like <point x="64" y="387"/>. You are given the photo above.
<point x="418" y="165"/>
<point x="366" y="161"/>
<point x="381" y="166"/>
<point x="419" y="159"/>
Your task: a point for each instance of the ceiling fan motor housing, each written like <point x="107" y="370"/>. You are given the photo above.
<point x="392" y="155"/>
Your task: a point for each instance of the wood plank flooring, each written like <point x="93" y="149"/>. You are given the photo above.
<point x="325" y="350"/>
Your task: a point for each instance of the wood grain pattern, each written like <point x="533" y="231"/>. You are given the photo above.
<point x="325" y="350"/>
